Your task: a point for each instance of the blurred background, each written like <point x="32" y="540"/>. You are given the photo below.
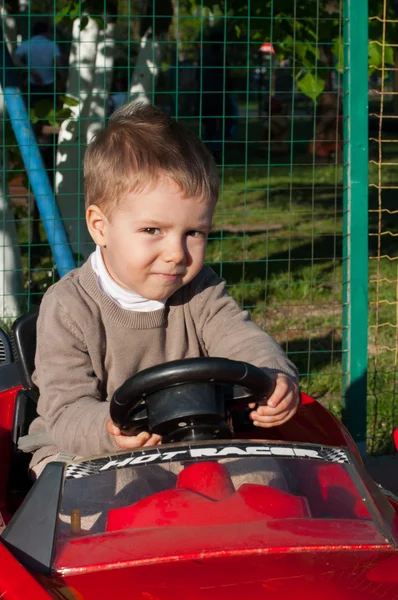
<point x="292" y="98"/>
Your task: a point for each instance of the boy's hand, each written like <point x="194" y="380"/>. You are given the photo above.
<point x="280" y="406"/>
<point x="128" y="442"/>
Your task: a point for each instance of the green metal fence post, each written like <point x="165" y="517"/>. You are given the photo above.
<point x="355" y="233"/>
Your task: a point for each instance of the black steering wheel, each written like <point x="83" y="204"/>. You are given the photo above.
<point x="188" y="399"/>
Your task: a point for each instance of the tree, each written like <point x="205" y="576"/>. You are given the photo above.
<point x="73" y="131"/>
<point x="85" y="103"/>
<point x="297" y="30"/>
<point x="89" y="83"/>
<point x="11" y="279"/>
<point x="153" y="28"/>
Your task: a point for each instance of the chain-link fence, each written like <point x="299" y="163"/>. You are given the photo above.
<point x="383" y="221"/>
<point x="260" y="82"/>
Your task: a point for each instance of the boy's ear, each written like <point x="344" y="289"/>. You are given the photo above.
<point x="96" y="223"/>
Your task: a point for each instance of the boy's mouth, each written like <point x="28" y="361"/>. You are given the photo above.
<point x="169" y="276"/>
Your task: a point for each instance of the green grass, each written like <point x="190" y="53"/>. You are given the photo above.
<point x="289" y="274"/>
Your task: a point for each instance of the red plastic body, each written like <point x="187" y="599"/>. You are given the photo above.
<point x="339" y="574"/>
<point x="16" y="583"/>
<point x="313" y="424"/>
<point x="7" y="406"/>
<point x="249" y="559"/>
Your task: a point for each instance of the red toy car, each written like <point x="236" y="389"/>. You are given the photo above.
<point x="206" y="515"/>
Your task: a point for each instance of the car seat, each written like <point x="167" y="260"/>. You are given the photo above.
<point x="23" y="340"/>
<point x="6" y="355"/>
<point x="205" y="496"/>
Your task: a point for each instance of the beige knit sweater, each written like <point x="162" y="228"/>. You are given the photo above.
<point x="87" y="346"/>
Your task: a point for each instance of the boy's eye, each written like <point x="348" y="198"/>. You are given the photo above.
<point x="194" y="233"/>
<point x="151" y="230"/>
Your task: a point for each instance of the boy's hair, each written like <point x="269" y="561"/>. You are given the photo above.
<point x="140" y="146"/>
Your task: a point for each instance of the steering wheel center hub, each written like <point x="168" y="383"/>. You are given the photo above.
<point x="187" y="399"/>
<point x="192" y="411"/>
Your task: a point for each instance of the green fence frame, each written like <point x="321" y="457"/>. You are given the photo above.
<point x="355" y="232"/>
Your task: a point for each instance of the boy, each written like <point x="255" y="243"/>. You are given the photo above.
<point x="144" y="297"/>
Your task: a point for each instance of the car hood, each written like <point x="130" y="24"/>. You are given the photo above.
<point x="335" y="574"/>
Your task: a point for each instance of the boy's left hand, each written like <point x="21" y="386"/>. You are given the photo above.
<point x="279" y="407"/>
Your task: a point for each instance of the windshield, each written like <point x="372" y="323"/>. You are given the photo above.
<point x="293" y="494"/>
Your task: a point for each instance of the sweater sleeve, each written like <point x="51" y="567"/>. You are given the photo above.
<point x="227" y="331"/>
<point x="70" y="400"/>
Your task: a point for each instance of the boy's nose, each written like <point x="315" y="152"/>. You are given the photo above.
<point x="175" y="252"/>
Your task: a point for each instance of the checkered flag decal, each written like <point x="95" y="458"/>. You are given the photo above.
<point x="334" y="455"/>
<point x="78" y="470"/>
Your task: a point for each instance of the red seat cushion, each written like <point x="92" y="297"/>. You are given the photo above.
<point x="207" y="478"/>
<point x="205" y="496"/>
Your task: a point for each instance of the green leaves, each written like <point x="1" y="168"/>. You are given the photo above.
<point x="311" y="84"/>
<point x="376" y="52"/>
<point x="70" y="11"/>
<point x="45" y="111"/>
<point x="82" y="9"/>
<point x="70" y="100"/>
<point x="338" y="53"/>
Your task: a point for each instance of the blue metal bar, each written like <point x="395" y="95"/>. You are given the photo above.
<point x="33" y="162"/>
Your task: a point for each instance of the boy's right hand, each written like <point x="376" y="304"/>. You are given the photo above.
<point x="128" y="442"/>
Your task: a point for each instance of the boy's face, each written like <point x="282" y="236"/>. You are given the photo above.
<point x="155" y="241"/>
